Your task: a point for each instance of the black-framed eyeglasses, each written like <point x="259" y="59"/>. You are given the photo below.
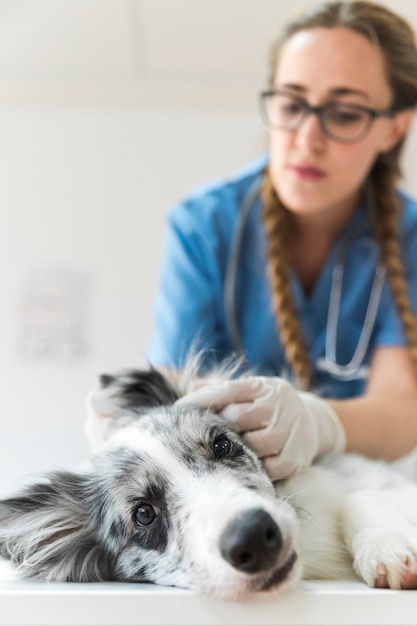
<point x="342" y="122"/>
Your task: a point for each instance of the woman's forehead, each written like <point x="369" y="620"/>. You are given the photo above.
<point x="323" y="61"/>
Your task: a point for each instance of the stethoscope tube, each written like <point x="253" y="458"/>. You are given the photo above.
<point x="354" y="368"/>
<point x="232" y="267"/>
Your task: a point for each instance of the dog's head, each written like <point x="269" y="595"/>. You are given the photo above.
<point x="173" y="497"/>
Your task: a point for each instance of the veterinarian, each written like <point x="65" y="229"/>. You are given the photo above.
<point x="305" y="263"/>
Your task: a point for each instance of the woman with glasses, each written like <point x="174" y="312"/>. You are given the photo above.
<point x="305" y="263"/>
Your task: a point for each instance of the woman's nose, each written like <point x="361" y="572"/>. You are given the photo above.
<point x="310" y="133"/>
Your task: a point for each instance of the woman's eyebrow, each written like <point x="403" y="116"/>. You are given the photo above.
<point x="349" y="91"/>
<point x="335" y="91"/>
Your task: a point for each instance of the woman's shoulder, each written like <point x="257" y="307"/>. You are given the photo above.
<point x="217" y="198"/>
<point x="409" y="210"/>
<point x="408" y="219"/>
<point x="408" y="227"/>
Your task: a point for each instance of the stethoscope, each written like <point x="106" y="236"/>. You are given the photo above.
<point x="352" y="370"/>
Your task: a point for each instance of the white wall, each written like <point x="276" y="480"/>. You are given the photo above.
<point x="110" y="111"/>
<point x="83" y="197"/>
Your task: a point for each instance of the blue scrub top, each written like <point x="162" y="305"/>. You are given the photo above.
<point x="190" y="310"/>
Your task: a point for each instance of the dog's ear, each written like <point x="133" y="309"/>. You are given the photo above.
<point x="121" y="398"/>
<point x="136" y="390"/>
<point x="48" y="532"/>
<point x="132" y="391"/>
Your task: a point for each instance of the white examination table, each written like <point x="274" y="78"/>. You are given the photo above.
<point x="26" y="602"/>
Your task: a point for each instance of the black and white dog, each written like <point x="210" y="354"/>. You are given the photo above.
<point x="173" y="496"/>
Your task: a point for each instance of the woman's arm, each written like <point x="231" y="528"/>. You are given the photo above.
<point x="383" y="422"/>
<point x="187" y="304"/>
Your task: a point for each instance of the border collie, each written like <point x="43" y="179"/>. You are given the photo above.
<point x="173" y="496"/>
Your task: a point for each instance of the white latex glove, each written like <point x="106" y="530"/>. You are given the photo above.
<point x="287" y="429"/>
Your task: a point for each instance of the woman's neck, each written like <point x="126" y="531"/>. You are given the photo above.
<point x="311" y="239"/>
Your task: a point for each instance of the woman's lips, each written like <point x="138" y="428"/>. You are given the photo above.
<point x="308" y="172"/>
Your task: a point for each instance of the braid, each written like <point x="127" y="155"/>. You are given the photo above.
<point x="383" y="180"/>
<point x="276" y="224"/>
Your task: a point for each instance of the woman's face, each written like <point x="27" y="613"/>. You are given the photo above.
<point x="316" y="176"/>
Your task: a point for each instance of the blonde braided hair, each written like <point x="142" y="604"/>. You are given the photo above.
<point x="276" y="227"/>
<point x="396" y="41"/>
<point x="386" y="227"/>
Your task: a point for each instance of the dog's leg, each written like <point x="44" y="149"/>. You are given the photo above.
<point x="380" y="529"/>
<point x="318" y="497"/>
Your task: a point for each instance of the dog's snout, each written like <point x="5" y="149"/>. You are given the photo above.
<point x="251" y="543"/>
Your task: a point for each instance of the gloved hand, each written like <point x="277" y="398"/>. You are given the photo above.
<point x="287" y="429"/>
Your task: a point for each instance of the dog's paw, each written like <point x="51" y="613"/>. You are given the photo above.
<point x="389" y="561"/>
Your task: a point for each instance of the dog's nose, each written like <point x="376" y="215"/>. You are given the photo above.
<point x="252" y="542"/>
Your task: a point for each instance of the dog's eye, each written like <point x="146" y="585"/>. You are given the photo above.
<point x="145" y="514"/>
<point x="222" y="446"/>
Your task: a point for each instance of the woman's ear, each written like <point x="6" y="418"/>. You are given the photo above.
<point x="400" y="124"/>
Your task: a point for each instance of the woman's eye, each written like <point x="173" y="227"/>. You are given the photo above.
<point x="222" y="446"/>
<point x="345" y="117"/>
<point x="290" y="109"/>
<point x="145" y="514"/>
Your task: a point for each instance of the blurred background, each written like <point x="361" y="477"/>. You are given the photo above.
<point x="110" y="111"/>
